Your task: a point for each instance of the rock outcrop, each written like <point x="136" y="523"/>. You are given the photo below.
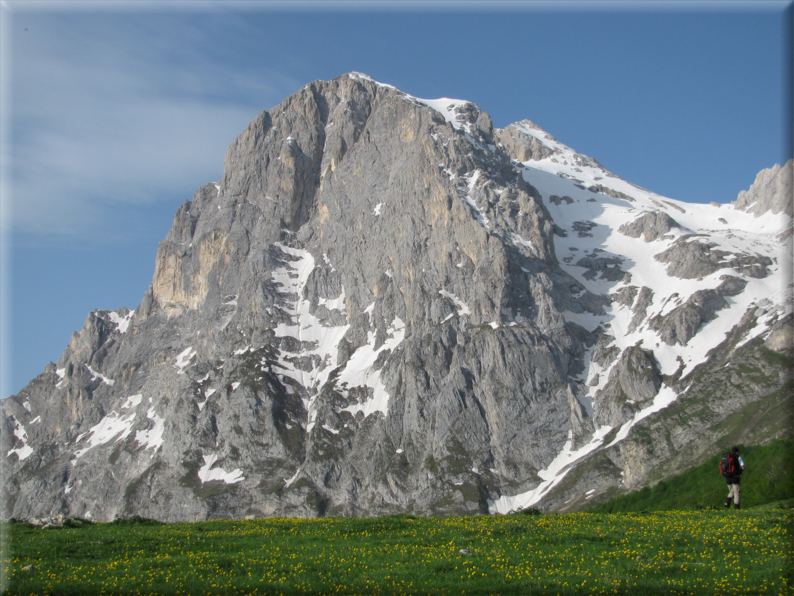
<point x="773" y="190"/>
<point x="691" y="258"/>
<point x="651" y="225"/>
<point x="522" y="145"/>
<point x="683" y="322"/>
<point x="633" y="383"/>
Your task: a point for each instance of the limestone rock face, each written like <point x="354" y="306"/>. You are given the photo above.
<point x="358" y="315"/>
<point x="525" y="147"/>
<point x="388" y="306"/>
<point x="633" y="382"/>
<point x="772" y="190"/>
<point x="781" y="337"/>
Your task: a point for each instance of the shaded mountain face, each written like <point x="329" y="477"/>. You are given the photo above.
<point x="386" y="305"/>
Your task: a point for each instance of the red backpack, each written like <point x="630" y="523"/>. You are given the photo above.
<point x="729" y="465"/>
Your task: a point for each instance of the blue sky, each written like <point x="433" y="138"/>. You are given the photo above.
<point x="115" y="113"/>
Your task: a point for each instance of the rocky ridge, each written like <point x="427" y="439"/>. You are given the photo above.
<point x="771" y="191"/>
<point x="387" y="305"/>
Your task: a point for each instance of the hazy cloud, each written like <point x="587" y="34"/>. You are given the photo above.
<point x="121" y="109"/>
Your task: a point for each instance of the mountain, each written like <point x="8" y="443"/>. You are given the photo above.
<point x="387" y="305"/>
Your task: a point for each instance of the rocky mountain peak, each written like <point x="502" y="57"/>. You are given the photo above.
<point x="387" y="305"/>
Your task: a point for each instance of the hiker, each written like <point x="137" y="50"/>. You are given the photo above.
<point x="731" y="467"/>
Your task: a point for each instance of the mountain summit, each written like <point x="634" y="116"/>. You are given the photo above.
<point x="386" y="306"/>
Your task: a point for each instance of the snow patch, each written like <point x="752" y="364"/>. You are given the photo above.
<point x="359" y="372"/>
<point x="519" y="240"/>
<point x="95" y="375"/>
<point x="358" y="76"/>
<point x="206" y="474"/>
<point x="132" y="401"/>
<point x="463" y="310"/>
<point x="113" y="426"/>
<point x="479" y="214"/>
<point x="584" y="319"/>
<point x="207" y="394"/>
<point x="19" y="432"/>
<point x="122" y="323"/>
<point x="318" y="342"/>
<point x="183" y="360"/>
<point x="152" y="438"/>
<point x="664" y="398"/>
<point x="448" y="108"/>
<point x="287" y="482"/>
<point x="551" y="476"/>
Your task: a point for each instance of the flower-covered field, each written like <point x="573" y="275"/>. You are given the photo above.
<point x="706" y="552"/>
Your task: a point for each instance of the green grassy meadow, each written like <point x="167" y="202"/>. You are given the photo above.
<point x="768" y="477"/>
<point x="672" y="552"/>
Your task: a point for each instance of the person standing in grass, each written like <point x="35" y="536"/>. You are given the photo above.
<point x="732" y="466"/>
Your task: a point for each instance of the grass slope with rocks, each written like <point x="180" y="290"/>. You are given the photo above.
<point x="768" y="478"/>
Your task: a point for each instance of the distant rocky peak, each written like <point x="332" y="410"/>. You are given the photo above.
<point x="772" y="191"/>
<point x="525" y="141"/>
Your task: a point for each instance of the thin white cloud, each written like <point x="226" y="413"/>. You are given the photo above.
<point x="112" y="112"/>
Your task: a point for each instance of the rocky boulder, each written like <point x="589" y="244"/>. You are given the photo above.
<point x="651" y="225"/>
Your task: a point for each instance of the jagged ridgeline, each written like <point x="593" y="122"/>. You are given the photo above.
<point x="386" y="305"/>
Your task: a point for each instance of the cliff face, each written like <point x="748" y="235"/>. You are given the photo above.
<point x="386" y="305"/>
<point x="772" y="191"/>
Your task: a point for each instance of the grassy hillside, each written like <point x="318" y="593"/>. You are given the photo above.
<point x="768" y="477"/>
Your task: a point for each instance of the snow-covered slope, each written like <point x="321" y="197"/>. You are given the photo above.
<point x="593" y="220"/>
<point x="595" y="210"/>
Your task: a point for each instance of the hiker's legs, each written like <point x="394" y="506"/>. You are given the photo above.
<point x="733" y="494"/>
